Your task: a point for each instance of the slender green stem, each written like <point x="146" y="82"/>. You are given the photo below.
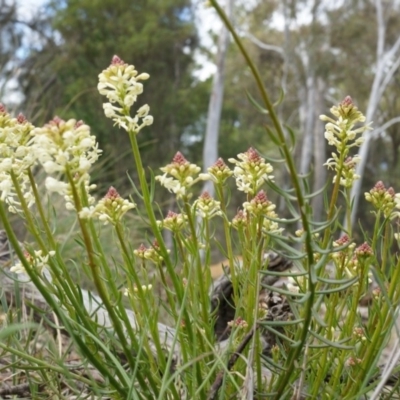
<point x="227" y="233"/>
<point x="96" y="274"/>
<point x="152" y="218"/>
<point x="67" y="285"/>
<point x="157" y="233"/>
<point x="376" y="235"/>
<point x="204" y="306"/>
<point x="381" y="327"/>
<point x="143" y="303"/>
<point x="31" y="225"/>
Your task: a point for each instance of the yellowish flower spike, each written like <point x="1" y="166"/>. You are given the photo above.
<point x="341" y="134"/>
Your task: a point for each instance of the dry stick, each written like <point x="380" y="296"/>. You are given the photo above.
<point x="212" y="395"/>
<point x="18" y="390"/>
<point x="299" y="386"/>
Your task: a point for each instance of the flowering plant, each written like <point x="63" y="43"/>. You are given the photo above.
<point x="262" y="327"/>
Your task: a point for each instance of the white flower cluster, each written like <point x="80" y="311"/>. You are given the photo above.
<point x="38" y="261"/>
<point x="66" y="146"/>
<point x="339" y="132"/>
<point x="120" y="84"/>
<point x="348" y="171"/>
<point x="16" y="156"/>
<point x="251" y="171"/>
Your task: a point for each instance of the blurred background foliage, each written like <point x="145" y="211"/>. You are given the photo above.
<point x="317" y="52"/>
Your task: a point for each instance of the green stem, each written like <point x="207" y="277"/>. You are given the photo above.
<point x="157" y="233"/>
<point x="381" y="327"/>
<point x="205" y="303"/>
<point x="220" y="193"/>
<point x="67" y="285"/>
<point x="152" y="218"/>
<point x="332" y="205"/>
<point x="144" y="304"/>
<point x="96" y="275"/>
<point x="31" y="225"/>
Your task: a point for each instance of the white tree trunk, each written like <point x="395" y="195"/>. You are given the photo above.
<point x="308" y="120"/>
<point x="319" y="150"/>
<point x="210" y="149"/>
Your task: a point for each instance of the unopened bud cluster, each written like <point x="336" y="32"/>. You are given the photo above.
<point x="149" y="253"/>
<point x="261" y="207"/>
<point x="238" y="323"/>
<point x="251" y="171"/>
<point x="219" y="172"/>
<point x="110" y="209"/>
<point x="381" y="198"/>
<point x="173" y="222"/>
<point x="343" y="255"/>
<point x="350" y="259"/>
<point x="239" y="221"/>
<point x="179" y="175"/>
<point x="206" y="207"/>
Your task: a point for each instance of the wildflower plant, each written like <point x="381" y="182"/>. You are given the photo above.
<point x="323" y="347"/>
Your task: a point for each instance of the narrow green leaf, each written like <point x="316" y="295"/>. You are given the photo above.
<point x="11" y="329"/>
<point x="336" y="345"/>
<point x="340" y="288"/>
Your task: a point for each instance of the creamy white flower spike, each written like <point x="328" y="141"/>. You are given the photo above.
<point x="66" y="146"/>
<point x="120" y="83"/>
<point x="16" y="157"/>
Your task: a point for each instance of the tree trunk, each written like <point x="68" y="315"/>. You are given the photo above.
<point x="317" y="202"/>
<point x="210" y="150"/>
